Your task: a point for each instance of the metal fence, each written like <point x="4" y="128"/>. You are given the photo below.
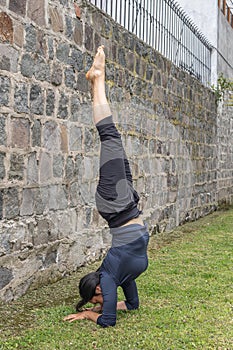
<point x="163" y="25"/>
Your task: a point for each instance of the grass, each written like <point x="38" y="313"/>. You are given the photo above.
<point x="186" y="300"/>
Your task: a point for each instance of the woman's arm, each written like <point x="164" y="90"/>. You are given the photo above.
<point x="92" y="315"/>
<point x="84" y="315"/>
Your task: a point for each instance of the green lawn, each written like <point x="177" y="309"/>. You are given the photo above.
<point x="186" y="300"/>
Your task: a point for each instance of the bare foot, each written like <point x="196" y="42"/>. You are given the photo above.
<point x="97" y="68"/>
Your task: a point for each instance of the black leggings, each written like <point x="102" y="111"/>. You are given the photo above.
<point x="116" y="199"/>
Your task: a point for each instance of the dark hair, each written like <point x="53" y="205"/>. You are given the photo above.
<point x="87" y="286"/>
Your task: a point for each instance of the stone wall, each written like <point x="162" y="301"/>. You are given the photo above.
<point x="49" y="147"/>
<point x="225" y="150"/>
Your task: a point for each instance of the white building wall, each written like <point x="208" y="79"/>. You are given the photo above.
<point x="225" y="47"/>
<point x="213" y="24"/>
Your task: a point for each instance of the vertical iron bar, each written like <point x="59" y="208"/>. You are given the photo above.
<point x="120" y="12"/>
<point x="168" y="31"/>
<point x="132" y="22"/>
<point x="147" y="22"/>
<point x="173" y="35"/>
<point x="161" y="27"/>
<point x="144" y="20"/>
<point x="129" y="14"/>
<point x="115" y="11"/>
<point x="124" y="14"/>
<point x="158" y="21"/>
<point x="110" y="9"/>
<point x="150" y="22"/>
<point x="164" y="28"/>
<point x="156" y="30"/>
<point x="153" y="24"/>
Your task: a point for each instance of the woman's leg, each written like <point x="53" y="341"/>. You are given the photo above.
<point x="96" y="75"/>
<point x="101" y="108"/>
<point x="115" y="193"/>
<point x="131" y="295"/>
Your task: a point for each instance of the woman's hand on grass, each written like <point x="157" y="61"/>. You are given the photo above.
<point x="74" y="317"/>
<point x="84" y="315"/>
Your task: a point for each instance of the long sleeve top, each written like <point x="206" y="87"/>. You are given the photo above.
<point x="125" y="261"/>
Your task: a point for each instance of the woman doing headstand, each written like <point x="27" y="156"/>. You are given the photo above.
<point x="116" y="201"/>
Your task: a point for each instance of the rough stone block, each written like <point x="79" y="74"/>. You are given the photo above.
<point x="78" y="165"/>
<point x="36" y="11"/>
<point x="11" y="203"/>
<point x="27" y="65"/>
<point x="74" y="194"/>
<point x="32" y="169"/>
<point x="110" y="71"/>
<point x="56" y="19"/>
<point x="76" y="59"/>
<point x="78" y="32"/>
<point x="56" y="77"/>
<point x="21" y="98"/>
<point x="18" y="6"/>
<point x="4" y="90"/>
<point x="89" y="42"/>
<point x="16" y="171"/>
<point x="18" y="34"/>
<point x="27" y="202"/>
<point x="2" y="166"/>
<point x="41" y="200"/>
<point x="85" y="115"/>
<point x="36" y="100"/>
<point x="51" y="48"/>
<point x="70" y="80"/>
<point x="63" y="51"/>
<point x="8" y="58"/>
<point x="58" y="165"/>
<point x="6" y="276"/>
<point x="6" y="28"/>
<point x="20" y="135"/>
<point x="75" y="139"/>
<point x="50" y="258"/>
<point x="63" y="106"/>
<point x="50" y="102"/>
<point x="31" y="38"/>
<point x="69" y="169"/>
<point x="69" y="27"/>
<point x="88" y="140"/>
<point x="57" y="197"/>
<point x="64" y="138"/>
<point x="45" y="167"/>
<point x="42" y="47"/>
<point x="3" y="136"/>
<point x="74" y="107"/>
<point x="51" y="136"/>
<point x="36" y="133"/>
<point x="42" y="70"/>
<point x="82" y="83"/>
<point x="87" y="168"/>
<point x="122" y="57"/>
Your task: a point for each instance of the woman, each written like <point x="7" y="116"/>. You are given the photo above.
<point x="116" y="202"/>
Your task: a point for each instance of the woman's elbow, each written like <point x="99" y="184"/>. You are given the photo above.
<point x="133" y="305"/>
<point x="110" y="322"/>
